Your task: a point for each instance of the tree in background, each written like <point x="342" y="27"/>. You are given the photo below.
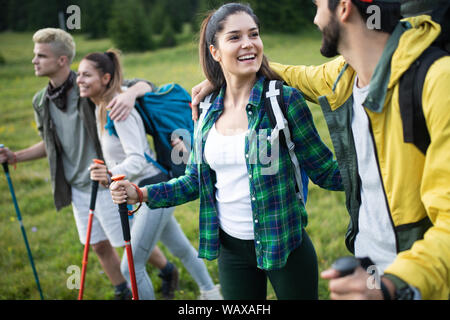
<point x="288" y="16"/>
<point x="168" y="35"/>
<point x="129" y="27"/>
<point x="157" y="12"/>
<point x="203" y="7"/>
<point x="95" y="15"/>
<point x="30" y="15"/>
<point x="4" y="4"/>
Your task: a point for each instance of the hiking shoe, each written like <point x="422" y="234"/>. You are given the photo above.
<point x="213" y="294"/>
<point x="169" y="283"/>
<point x="123" y="295"/>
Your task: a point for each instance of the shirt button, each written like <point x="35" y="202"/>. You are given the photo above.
<point x="258" y="242"/>
<point x="253" y="198"/>
<point x="250" y="113"/>
<point x="250" y="176"/>
<point x="246" y="155"/>
<point x="256" y="221"/>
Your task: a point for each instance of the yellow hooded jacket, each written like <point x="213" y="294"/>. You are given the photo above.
<point x="416" y="187"/>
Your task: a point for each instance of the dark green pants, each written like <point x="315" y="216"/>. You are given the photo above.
<point x="241" y="279"/>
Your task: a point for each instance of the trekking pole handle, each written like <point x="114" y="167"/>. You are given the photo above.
<point x="94" y="187"/>
<point x="123" y="211"/>
<point x="345" y="265"/>
<point x="4" y="164"/>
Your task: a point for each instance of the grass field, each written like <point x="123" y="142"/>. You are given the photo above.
<point x="53" y="236"/>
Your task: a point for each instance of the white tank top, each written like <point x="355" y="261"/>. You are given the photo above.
<point x="226" y="156"/>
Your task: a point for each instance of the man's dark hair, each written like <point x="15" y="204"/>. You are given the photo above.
<point x="390" y="12"/>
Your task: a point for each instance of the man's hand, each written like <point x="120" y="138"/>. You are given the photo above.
<point x="122" y="104"/>
<point x="6" y="155"/>
<point x="199" y="92"/>
<point x="354" y="286"/>
<point x="36" y="151"/>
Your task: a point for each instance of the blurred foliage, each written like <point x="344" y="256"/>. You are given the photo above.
<point x="98" y="16"/>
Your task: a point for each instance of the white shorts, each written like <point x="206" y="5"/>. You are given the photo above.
<point x="106" y="222"/>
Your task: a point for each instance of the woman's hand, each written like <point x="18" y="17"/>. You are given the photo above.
<point x="123" y="192"/>
<point x="199" y="92"/>
<point x="99" y="173"/>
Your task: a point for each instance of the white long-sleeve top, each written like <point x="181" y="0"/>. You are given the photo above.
<point x="125" y="153"/>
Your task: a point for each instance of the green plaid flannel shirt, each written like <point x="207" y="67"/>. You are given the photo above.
<point x="279" y="216"/>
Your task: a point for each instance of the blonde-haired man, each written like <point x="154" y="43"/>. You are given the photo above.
<point x="67" y="127"/>
<point x="62" y="43"/>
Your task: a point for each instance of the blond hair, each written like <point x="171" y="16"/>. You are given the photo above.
<point x="61" y="42"/>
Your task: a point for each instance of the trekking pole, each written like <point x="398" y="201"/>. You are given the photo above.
<point x="19" y="218"/>
<point x="94" y="189"/>
<point x="123" y="211"/>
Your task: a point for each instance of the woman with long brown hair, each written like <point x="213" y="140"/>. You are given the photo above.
<point x="251" y="221"/>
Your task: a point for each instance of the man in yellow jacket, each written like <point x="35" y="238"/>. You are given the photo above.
<point x="398" y="198"/>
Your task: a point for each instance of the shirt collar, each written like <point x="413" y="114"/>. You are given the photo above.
<point x="254" y="99"/>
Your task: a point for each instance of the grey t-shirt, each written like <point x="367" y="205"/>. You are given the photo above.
<point x="77" y="149"/>
<point x="376" y="238"/>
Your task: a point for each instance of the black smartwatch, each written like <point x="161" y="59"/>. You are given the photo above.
<point x="403" y="291"/>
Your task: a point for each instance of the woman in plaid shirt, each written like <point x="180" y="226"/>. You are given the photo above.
<point x="250" y="216"/>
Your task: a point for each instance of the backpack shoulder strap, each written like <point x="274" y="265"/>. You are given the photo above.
<point x="274" y="106"/>
<point x="410" y="99"/>
<point x="203" y="109"/>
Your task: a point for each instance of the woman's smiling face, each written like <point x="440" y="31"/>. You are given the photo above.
<point x="239" y="48"/>
<point x="91" y="83"/>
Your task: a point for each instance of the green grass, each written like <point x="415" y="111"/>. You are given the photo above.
<point x="53" y="236"/>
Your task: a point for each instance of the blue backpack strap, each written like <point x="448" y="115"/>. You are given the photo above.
<point x="156" y="164"/>
<point x="109" y="126"/>
<point x="112" y="131"/>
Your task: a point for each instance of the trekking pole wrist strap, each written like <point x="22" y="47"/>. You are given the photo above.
<point x="14" y="163"/>
<point x="140" y="199"/>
